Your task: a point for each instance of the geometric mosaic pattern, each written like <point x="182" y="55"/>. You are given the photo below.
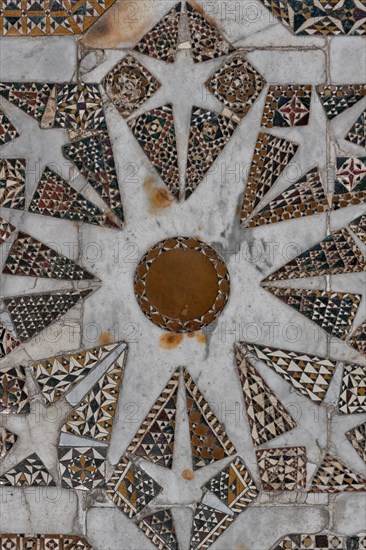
<point x="30" y="257"/>
<point x="161" y="41"/>
<point x="6" y="229"/>
<point x="93" y="416"/>
<point x="56" y="376"/>
<point x="40" y="19"/>
<point x="309" y="374"/>
<point x="337" y="253"/>
<point x="129" y="84"/>
<point x="357" y="438"/>
<point x="358" y="226"/>
<point x="55" y="197"/>
<point x="154" y="440"/>
<point x="30" y="471"/>
<point x="206" y="41"/>
<point x="43" y="542"/>
<point x="7" y="440"/>
<point x="282" y="469"/>
<point x="155" y="133"/>
<point x="353" y="390"/>
<point x="12" y="183"/>
<point x="271" y="156"/>
<point x="233" y="486"/>
<point x="305" y="197"/>
<point x="322" y="541"/>
<point x="351" y="175"/>
<point x="7" y="131"/>
<point x="336" y="99"/>
<point x="30" y="97"/>
<point x="357" y="133"/>
<point x="7" y="341"/>
<point x="79" y="107"/>
<point x="267" y="417"/>
<point x="13" y="391"/>
<point x="93" y="157"/>
<point x="82" y="467"/>
<point x="237" y="84"/>
<point x="287" y="106"/>
<point x="323" y="17"/>
<point x="358" y="338"/>
<point x="31" y="313"/>
<point x="333" y="476"/>
<point x="334" y="312"/>
<point x="131" y="488"/>
<point x="159" y="528"/>
<point x="208" y="438"/>
<point x="210" y="132"/>
<point x="208" y="525"/>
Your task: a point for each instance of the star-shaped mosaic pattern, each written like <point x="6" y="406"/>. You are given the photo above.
<point x="82" y="467"/>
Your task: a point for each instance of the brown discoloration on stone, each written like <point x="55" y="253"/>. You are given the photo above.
<point x="159" y="197"/>
<point x="170" y="341"/>
<point x="188" y="474"/>
<point x="105" y="338"/>
<point x="125" y="23"/>
<point x="201" y="337"/>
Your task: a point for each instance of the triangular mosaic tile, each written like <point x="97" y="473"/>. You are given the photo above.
<point x="358" y="338"/>
<point x="271" y="156"/>
<point x="79" y="106"/>
<point x="310" y="375"/>
<point x="338" y="253"/>
<point x="13" y="391"/>
<point x="93" y="416"/>
<point x="336" y="99"/>
<point x="282" y="469"/>
<point x="207" y="42"/>
<point x="357" y="438"/>
<point x="358" y="226"/>
<point x="155" y="133"/>
<point x="131" y="488"/>
<point x="159" y="528"/>
<point x="209" y="440"/>
<point x="31" y="313"/>
<point x="6" y="229"/>
<point x="8" y="132"/>
<point x="12" y="183"/>
<point x="56" y="376"/>
<point x="7" y="341"/>
<point x="82" y="467"/>
<point x="30" y="257"/>
<point x="334" y="312"/>
<point x="28" y="472"/>
<point x="154" y="440"/>
<point x="237" y="84"/>
<point x="208" y="525"/>
<point x="209" y="134"/>
<point x="161" y="42"/>
<point x="357" y="133"/>
<point x="350" y="182"/>
<point x="267" y="417"/>
<point x="305" y="197"/>
<point x="93" y="157"/>
<point x="353" y="390"/>
<point x="30" y="97"/>
<point x="234" y="486"/>
<point x="129" y="84"/>
<point x="287" y="105"/>
<point x="333" y="476"/>
<point x="7" y="441"/>
<point x="55" y="197"/>
<point x="43" y="541"/>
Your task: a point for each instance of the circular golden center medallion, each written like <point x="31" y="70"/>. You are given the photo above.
<point x="182" y="284"/>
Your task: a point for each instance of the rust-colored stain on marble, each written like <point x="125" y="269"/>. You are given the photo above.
<point x="159" y="197"/>
<point x="188" y="474"/>
<point x="124" y="23"/>
<point x="170" y="341"/>
<point x="105" y="338"/>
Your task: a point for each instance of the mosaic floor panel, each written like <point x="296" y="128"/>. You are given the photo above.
<point x="162" y="344"/>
